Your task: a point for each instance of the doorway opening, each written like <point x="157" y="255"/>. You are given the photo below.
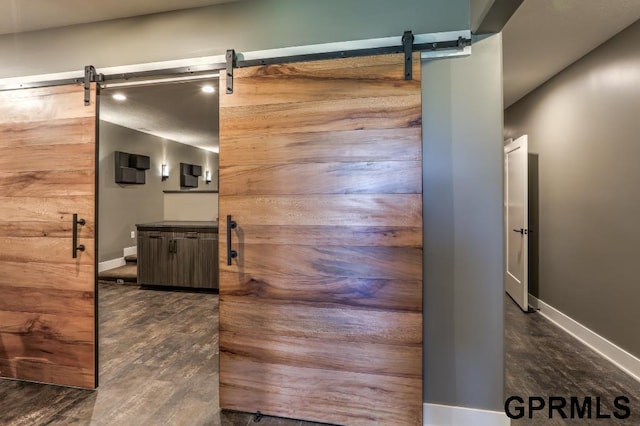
<point x="157" y="249"/>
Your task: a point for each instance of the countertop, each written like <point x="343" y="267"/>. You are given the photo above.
<point x="167" y="225"/>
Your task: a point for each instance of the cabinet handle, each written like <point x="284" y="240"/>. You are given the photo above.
<point x="231" y="254"/>
<point x="74" y="239"/>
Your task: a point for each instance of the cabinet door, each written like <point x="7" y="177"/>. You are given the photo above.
<point x="182" y="268"/>
<point x="154" y="258"/>
<point x="194" y="261"/>
<point x="207" y="268"/>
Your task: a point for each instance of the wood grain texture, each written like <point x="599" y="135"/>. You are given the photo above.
<point x="47" y="104"/>
<point x="362" y="357"/>
<point x="48" y="275"/>
<point x="399" y="210"/>
<point x="325" y="146"/>
<point x="308" y="81"/>
<point x="39" y="158"/>
<point x="402" y="263"/>
<point x="47" y="173"/>
<point x="63" y="183"/>
<point x="346" y="398"/>
<point x="354" y="114"/>
<point x="321" y="312"/>
<point x="309" y="235"/>
<point x="324" y="178"/>
<point x="64" y="131"/>
<point x="330" y="324"/>
<point x="318" y="291"/>
<point x="40" y="209"/>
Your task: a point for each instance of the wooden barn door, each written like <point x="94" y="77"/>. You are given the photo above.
<point x="47" y="174"/>
<point x="321" y="310"/>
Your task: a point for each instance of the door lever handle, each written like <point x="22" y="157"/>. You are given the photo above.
<point x="74" y="238"/>
<point x="231" y="254"/>
<point x="521" y="231"/>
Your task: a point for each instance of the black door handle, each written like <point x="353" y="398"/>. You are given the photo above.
<point x="231" y="254"/>
<point x="521" y="231"/>
<point x="74" y="239"/>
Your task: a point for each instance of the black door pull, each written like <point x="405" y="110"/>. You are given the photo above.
<point x="231" y="254"/>
<point x="521" y="231"/>
<point x="74" y="239"/>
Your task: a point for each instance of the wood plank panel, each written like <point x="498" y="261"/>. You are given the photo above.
<point x="369" y="358"/>
<point x="354" y="114"/>
<point x="47" y="301"/>
<point x="346" y="397"/>
<point x="383" y="67"/>
<point x="331" y="324"/>
<point x="308" y="81"/>
<point x="352" y="145"/>
<point x="41" y="370"/>
<point x="48" y="275"/>
<point x="324" y="178"/>
<point x="362" y="236"/>
<point x="47" y="173"/>
<point x="39" y="209"/>
<point x="59" y="229"/>
<point x="45" y="250"/>
<point x="47" y="183"/>
<point x="39" y="158"/>
<point x="400" y="210"/>
<point x="320" y="166"/>
<point x="45" y="105"/>
<point x="389" y="295"/>
<point x="72" y="130"/>
<point x="402" y="263"/>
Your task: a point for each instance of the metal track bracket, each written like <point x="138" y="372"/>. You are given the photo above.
<point x="90" y="75"/>
<point x="232" y="62"/>
<point x="407" y="45"/>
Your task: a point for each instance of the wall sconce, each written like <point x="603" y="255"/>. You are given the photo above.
<point x="165" y="172"/>
<point x="207" y="177"/>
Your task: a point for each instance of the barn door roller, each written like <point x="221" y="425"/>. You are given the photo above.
<point x="90" y="75"/>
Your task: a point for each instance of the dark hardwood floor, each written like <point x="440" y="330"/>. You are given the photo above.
<point x="159" y="360"/>
<point x="541" y="360"/>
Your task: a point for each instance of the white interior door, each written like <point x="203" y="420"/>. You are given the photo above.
<point x="516" y="221"/>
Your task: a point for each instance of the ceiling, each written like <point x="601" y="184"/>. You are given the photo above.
<point x="31" y="15"/>
<point x="545" y="36"/>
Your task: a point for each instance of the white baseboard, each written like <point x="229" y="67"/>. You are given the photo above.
<point x="114" y="263"/>
<point x="110" y="264"/>
<point x="615" y="354"/>
<point x="128" y="251"/>
<point x="447" y="415"/>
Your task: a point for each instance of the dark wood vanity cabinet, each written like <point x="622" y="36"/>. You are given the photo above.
<point x="178" y="254"/>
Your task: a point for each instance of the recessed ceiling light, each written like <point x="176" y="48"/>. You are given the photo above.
<point x="119" y="97"/>
<point x="208" y="89"/>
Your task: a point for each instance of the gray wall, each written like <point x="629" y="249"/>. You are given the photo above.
<point x="122" y="206"/>
<point x="243" y="25"/>
<point x="583" y="127"/>
<point x="462" y="115"/>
